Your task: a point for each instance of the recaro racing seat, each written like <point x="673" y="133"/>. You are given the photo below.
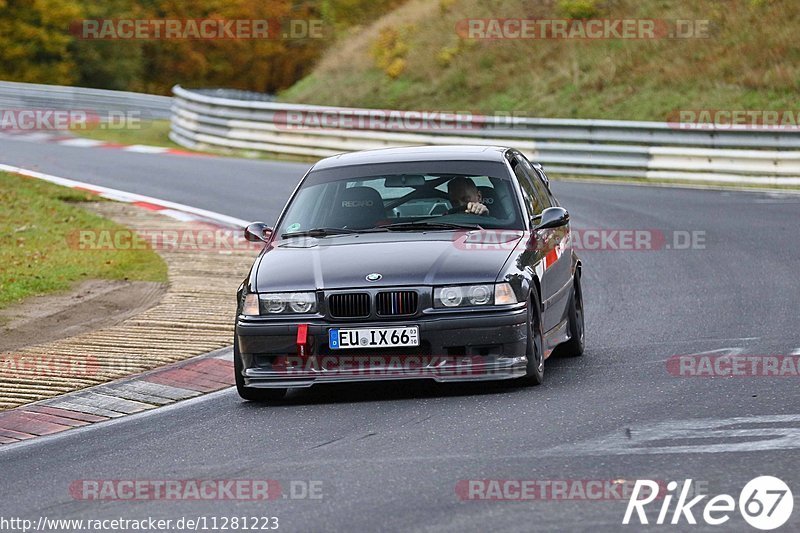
<point x="492" y="202"/>
<point x="357" y="208"/>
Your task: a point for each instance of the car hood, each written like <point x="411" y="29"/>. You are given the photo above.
<point x="432" y="258"/>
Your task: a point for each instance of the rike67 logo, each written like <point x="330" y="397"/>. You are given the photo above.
<point x="765" y="503"/>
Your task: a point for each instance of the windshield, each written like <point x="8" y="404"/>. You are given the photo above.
<point x="411" y="202"/>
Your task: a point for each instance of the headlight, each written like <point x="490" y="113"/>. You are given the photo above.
<point x="479" y="295"/>
<point x="280" y="303"/>
<point x="274" y="303"/>
<point x="448" y="296"/>
<point x="473" y="295"/>
<point x="302" y="302"/>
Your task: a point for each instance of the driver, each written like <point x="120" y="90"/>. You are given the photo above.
<point x="464" y="192"/>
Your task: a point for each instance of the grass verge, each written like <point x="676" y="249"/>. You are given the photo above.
<point x="37" y="220"/>
<point x="415" y="57"/>
<point x="156" y="133"/>
<point x="150" y="133"/>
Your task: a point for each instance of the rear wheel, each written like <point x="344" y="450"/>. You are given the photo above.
<point x="574" y="346"/>
<point x="534" y="374"/>
<point x="249" y="393"/>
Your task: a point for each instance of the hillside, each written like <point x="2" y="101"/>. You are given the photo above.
<point x="414" y="58"/>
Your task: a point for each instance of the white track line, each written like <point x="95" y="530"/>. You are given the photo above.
<point x="124" y="196"/>
<point x="145" y="149"/>
<point x="83" y="143"/>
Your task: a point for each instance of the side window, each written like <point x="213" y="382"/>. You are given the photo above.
<point x="526" y="189"/>
<point x="538" y="182"/>
<point x="533" y="198"/>
<point x="551" y="200"/>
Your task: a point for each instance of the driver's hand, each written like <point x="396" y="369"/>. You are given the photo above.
<point x="476" y="208"/>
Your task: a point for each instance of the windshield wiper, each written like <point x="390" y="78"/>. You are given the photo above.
<point x="428" y="225"/>
<point x="320" y="232"/>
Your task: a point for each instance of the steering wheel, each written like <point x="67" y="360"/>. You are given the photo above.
<point x="456" y="209"/>
<point x="460" y="209"/>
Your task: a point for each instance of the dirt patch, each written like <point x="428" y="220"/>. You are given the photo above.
<point x="92" y="305"/>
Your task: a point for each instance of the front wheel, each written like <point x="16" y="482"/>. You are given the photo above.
<point x="534" y="374"/>
<point x="249" y="393"/>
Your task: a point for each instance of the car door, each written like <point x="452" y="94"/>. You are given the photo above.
<point x="533" y="262"/>
<point x="555" y="268"/>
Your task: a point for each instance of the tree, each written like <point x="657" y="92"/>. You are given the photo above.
<point x="34" y="41"/>
<point x="110" y="64"/>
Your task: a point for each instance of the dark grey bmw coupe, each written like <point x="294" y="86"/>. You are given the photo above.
<point x="450" y="263"/>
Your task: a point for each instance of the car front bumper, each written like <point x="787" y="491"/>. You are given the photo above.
<point x="474" y="346"/>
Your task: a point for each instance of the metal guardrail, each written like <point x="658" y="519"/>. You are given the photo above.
<point x="15" y="95"/>
<point x="223" y="120"/>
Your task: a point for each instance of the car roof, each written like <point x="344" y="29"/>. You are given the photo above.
<point x="415" y="153"/>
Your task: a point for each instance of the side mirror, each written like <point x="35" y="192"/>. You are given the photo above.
<point x="257" y="231"/>
<point x="552" y="217"/>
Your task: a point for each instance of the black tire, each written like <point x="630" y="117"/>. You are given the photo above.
<point x="534" y="351"/>
<point x="249" y="393"/>
<point x="574" y="346"/>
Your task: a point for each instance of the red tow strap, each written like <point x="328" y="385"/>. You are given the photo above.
<point x="302" y="339"/>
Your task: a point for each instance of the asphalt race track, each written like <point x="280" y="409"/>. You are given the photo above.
<point x="390" y="456"/>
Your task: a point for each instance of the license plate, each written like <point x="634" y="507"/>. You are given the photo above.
<point x="373" y="337"/>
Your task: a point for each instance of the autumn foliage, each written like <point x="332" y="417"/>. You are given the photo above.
<point x="38" y="43"/>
